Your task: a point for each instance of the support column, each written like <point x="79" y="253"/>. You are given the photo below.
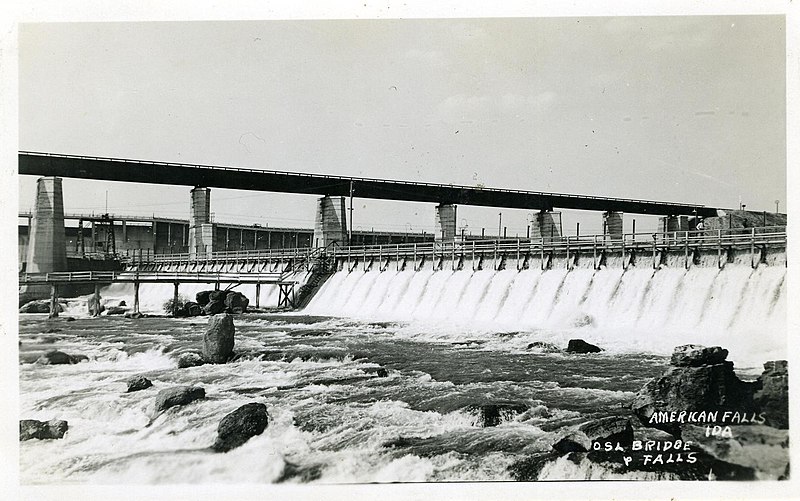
<point x="331" y="223"/>
<point x="258" y="294"/>
<point x="53" y="301"/>
<point x="446" y="219"/>
<point x="613" y="225"/>
<point x="202" y="231"/>
<point x="47" y="243"/>
<point x="136" y="297"/>
<point x="674" y="223"/>
<point x="175" y="300"/>
<point x="547" y="226"/>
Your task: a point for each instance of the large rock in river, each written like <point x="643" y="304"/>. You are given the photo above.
<point x="240" y="425"/>
<point x="710" y="387"/>
<point x="190" y="359"/>
<point x="614" y="429"/>
<point x="236" y="302"/>
<point x="39" y="306"/>
<point x="773" y="397"/>
<point x="202" y="297"/>
<point x="214" y="307"/>
<point x="138" y="382"/>
<point x="179" y="395"/>
<point x="218" y="339"/>
<point x="43" y="430"/>
<point x="581" y="346"/>
<point x="56" y="357"/>
<point x="695" y="355"/>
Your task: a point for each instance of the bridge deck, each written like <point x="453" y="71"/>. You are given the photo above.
<point x="151" y="172"/>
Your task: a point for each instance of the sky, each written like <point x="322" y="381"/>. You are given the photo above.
<point x="688" y="109"/>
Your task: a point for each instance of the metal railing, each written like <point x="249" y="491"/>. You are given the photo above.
<point x="757" y="236"/>
<point x="151" y="277"/>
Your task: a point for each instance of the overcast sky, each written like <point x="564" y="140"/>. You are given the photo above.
<point x="686" y="109"/>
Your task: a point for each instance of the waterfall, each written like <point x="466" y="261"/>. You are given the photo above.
<point x="737" y="307"/>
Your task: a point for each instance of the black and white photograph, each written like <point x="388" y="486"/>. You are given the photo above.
<point x="520" y="252"/>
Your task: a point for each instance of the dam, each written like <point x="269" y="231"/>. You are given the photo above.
<point x="385" y="357"/>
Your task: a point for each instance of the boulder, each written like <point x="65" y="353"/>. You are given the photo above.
<point x="202" y="298"/>
<point x="695" y="355"/>
<point x="773" y="397"/>
<point x="609" y="429"/>
<point x="116" y="310"/>
<point x="133" y="314"/>
<point x="543" y="347"/>
<point x="581" y="346"/>
<point x="236" y="302"/>
<point x="214" y="307"/>
<point x="138" y="382"/>
<point x="43" y="430"/>
<point x="39" y="306"/>
<point x="218" y="339"/>
<point x="192" y="309"/>
<point x="381" y="372"/>
<point x="190" y="359"/>
<point x="240" y="425"/>
<point x="494" y="414"/>
<point x="712" y="387"/>
<point x="763" y="448"/>
<point x="217" y="296"/>
<point x="56" y="357"/>
<point x="179" y="395"/>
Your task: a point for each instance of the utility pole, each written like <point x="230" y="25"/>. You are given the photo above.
<point x="500" y="225"/>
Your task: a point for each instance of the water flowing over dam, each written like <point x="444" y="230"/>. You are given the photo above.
<point x="638" y="308"/>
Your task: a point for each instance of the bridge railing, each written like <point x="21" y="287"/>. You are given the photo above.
<point x="154" y="276"/>
<point x="712" y="238"/>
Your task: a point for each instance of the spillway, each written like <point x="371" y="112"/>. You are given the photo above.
<point x="741" y="308"/>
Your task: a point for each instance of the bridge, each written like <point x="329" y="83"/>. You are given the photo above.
<point x="153" y="172"/>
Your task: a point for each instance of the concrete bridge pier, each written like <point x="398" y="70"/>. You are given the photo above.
<point x="546" y="225"/>
<point x="47" y="245"/>
<point x="612" y="225"/>
<point x="446" y="219"/>
<point x="202" y="231"/>
<point x="669" y="224"/>
<point x="330" y="224"/>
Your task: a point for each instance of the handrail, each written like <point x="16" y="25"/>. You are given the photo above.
<point x="759" y="235"/>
